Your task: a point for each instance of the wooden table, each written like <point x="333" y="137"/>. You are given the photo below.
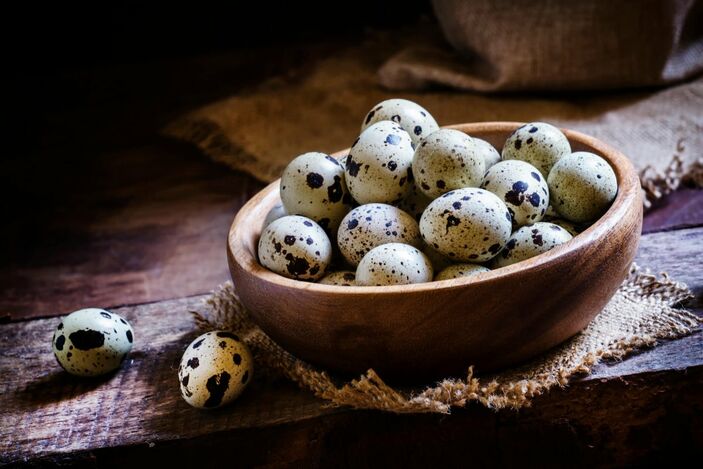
<point x="115" y="217"/>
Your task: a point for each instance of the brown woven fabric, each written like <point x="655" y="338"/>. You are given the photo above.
<point x="641" y="313"/>
<point x="550" y="45"/>
<point x="320" y="108"/>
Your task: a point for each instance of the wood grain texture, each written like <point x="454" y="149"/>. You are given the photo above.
<point x="680" y="209"/>
<point x="424" y="329"/>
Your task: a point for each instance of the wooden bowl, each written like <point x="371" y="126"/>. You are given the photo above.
<point x="491" y="320"/>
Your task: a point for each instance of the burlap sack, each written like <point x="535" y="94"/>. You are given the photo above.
<point x="552" y="45"/>
<point x="641" y="313"/>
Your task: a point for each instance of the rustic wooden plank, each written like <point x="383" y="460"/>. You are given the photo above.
<point x="680" y="209"/>
<point x="47" y="414"/>
<point x="142" y="225"/>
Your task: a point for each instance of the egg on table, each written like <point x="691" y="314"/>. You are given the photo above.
<point x="92" y="342"/>
<point x="393" y="264"/>
<point x="469" y="225"/>
<point x="341" y="278"/>
<point x="378" y="164"/>
<point x="295" y="247"/>
<point x="537" y="143"/>
<point x="312" y="185"/>
<point x="445" y="160"/>
<point x="411" y="117"/>
<point x="371" y="225"/>
<point x="460" y="271"/>
<point x="215" y="369"/>
<point x="521" y="187"/>
<point x="530" y="241"/>
<point x="583" y="185"/>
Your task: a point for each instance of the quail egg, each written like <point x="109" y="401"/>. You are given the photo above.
<point x="276" y="212"/>
<point x="342" y="278"/>
<point x="412" y="117"/>
<point x="521" y="186"/>
<point x="295" y="247"/>
<point x="583" y="185"/>
<point x="371" y="225"/>
<point x="312" y="185"/>
<point x="92" y="342"/>
<point x="414" y="203"/>
<point x="445" y="160"/>
<point x="378" y="165"/>
<point x="393" y="264"/>
<point x="530" y="241"/>
<point x="215" y="369"/>
<point x="469" y="225"/>
<point x="488" y="151"/>
<point x="537" y="143"/>
<point x="439" y="261"/>
<point x="460" y="270"/>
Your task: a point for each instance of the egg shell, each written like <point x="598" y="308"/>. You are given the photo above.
<point x="469" y="225"/>
<point x="295" y="247"/>
<point x="378" y="165"/>
<point x="412" y="117"/>
<point x="521" y="187"/>
<point x="445" y="160"/>
<point x="393" y="264"/>
<point x="573" y="228"/>
<point x="530" y="241"/>
<point x="583" y="185"/>
<point x="489" y="153"/>
<point x="371" y="225"/>
<point x="215" y="369"/>
<point x="460" y="271"/>
<point x="537" y="143"/>
<point x="276" y="212"/>
<point x="341" y="278"/>
<point x="92" y="342"/>
<point x="312" y="185"/>
<point x="438" y="260"/>
<point x="414" y="203"/>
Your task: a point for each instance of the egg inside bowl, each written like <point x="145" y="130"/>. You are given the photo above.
<point x="490" y="320"/>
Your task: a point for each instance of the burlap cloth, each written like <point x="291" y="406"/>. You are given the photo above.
<point x="320" y="106"/>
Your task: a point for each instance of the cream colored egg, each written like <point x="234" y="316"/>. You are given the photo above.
<point x="378" y="165"/>
<point x="445" y="160"/>
<point x="215" y="369"/>
<point x="583" y="186"/>
<point x="92" y="342"/>
<point x="411" y="117"/>
<point x="312" y="185"/>
<point x="295" y="247"/>
<point x="276" y="212"/>
<point x="342" y="278"/>
<point x="393" y="264"/>
<point x="439" y="261"/>
<point x="530" y="241"/>
<point x="414" y="203"/>
<point x="537" y="143"/>
<point x="490" y="155"/>
<point x="469" y="225"/>
<point x="521" y="187"/>
<point x="371" y="225"/>
<point x="460" y="271"/>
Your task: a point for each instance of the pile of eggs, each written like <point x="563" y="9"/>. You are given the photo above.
<point x="413" y="203"/>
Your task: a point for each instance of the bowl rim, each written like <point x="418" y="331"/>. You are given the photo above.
<point x="628" y="186"/>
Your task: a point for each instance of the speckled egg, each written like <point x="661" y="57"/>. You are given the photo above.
<point x="537" y="143"/>
<point x="312" y="185"/>
<point x="460" y="271"/>
<point x="393" y="264"/>
<point x="412" y="117"/>
<point x="445" y="160"/>
<point x="215" y="369"/>
<point x="490" y="155"/>
<point x="469" y="225"/>
<point x="92" y="342"/>
<point x="342" y="278"/>
<point x="530" y="241"/>
<point x="295" y="247"/>
<point x="439" y="261"/>
<point x="414" y="203"/>
<point x="371" y="225"/>
<point x="276" y="212"/>
<point x="582" y="185"/>
<point x="378" y="165"/>
<point x="522" y="187"/>
<point x="573" y="228"/>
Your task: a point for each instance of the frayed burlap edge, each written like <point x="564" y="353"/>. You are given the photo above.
<point x="658" y="184"/>
<point x="641" y="313"/>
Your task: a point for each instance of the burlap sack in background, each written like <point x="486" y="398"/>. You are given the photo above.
<point x="553" y="45"/>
